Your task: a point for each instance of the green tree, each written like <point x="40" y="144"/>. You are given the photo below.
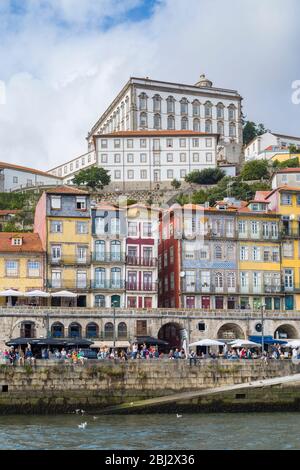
<point x="290" y="163"/>
<point x="175" y="183"/>
<point x="252" y="130"/>
<point x="294" y="149"/>
<point x="206" y="176"/>
<point x="94" y="178"/>
<point x="255" y="170"/>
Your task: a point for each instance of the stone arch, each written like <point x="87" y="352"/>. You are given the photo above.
<point x="92" y="330"/>
<point x="286" y="331"/>
<point x="109" y="330"/>
<point x="57" y="330"/>
<point x="230" y="331"/>
<point x="75" y="330"/>
<point x="122" y="330"/>
<point x="27" y="329"/>
<point x="171" y="332"/>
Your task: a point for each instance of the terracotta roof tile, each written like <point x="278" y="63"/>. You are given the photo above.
<point x="8" y="212"/>
<point x="66" y="190"/>
<point x="288" y="170"/>
<point x="28" y="170"/>
<point x="31" y="243"/>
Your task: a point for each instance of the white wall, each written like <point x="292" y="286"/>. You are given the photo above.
<point x="26" y="179"/>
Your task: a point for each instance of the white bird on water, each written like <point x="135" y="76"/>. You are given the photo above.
<point x="179" y="416"/>
<point x="77" y="411"/>
<point x="95" y="417"/>
<point x="82" y="412"/>
<point x="82" y="425"/>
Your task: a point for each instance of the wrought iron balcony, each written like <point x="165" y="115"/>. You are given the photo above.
<point x="108" y="284"/>
<point x="108" y="257"/>
<point x="70" y="260"/>
<point x="68" y="285"/>
<point x="141" y="287"/>
<point x="291" y="233"/>
<point x="140" y="261"/>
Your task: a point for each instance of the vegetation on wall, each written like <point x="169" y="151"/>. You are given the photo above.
<point x="206" y="176"/>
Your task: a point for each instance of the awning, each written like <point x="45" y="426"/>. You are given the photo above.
<point x="110" y="344"/>
<point x="267" y="340"/>
<point x="150" y="340"/>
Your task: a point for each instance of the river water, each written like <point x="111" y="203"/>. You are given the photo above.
<point x="153" y="432"/>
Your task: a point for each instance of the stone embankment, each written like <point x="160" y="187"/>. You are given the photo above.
<point x="61" y="388"/>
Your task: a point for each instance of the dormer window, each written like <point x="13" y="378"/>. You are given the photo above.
<point x="222" y="207"/>
<point x="17" y="241"/>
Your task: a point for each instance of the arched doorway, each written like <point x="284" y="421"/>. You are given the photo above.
<point x="75" y="330"/>
<point x="286" y="332"/>
<point x="230" y="331"/>
<point x="122" y="330"/>
<point x="171" y="332"/>
<point x="57" y="330"/>
<point x="92" y="330"/>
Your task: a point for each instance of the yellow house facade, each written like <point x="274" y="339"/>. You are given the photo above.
<point x="21" y="264"/>
<point x="286" y="201"/>
<point x="64" y="223"/>
<point x="258" y="253"/>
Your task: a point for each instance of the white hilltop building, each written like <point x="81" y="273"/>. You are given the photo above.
<point x="149" y="108"/>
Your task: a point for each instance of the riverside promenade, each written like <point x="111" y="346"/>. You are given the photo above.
<point x="98" y="386"/>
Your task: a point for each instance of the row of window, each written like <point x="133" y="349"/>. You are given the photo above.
<point x="12" y="268"/>
<point x="75" y="165"/>
<point x="56" y="226"/>
<point x="286" y="199"/>
<point x="184" y="106"/>
<point x="80" y="202"/>
<point x="256" y="253"/>
<point x="184" y="124"/>
<point x="157" y="158"/>
<point x="156" y="143"/>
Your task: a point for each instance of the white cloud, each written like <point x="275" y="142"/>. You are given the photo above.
<point x="59" y="81"/>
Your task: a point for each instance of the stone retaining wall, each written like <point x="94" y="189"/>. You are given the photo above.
<point x="57" y="388"/>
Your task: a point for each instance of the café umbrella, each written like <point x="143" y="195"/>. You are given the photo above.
<point x="11" y="293"/>
<point x="207" y="342"/>
<point x="243" y="343"/>
<point x="65" y="294"/>
<point x="37" y="293"/>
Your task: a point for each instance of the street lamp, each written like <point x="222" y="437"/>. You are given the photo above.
<point x="262" y="307"/>
<point x="114" y="337"/>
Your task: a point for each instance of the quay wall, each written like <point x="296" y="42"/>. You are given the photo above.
<point x="61" y="388"/>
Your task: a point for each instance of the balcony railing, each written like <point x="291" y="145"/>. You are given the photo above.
<point x="211" y="233"/>
<point x="108" y="257"/>
<point x="139" y="287"/>
<point x="291" y="233"/>
<point x="108" y="284"/>
<point x="140" y="261"/>
<point x="70" y="260"/>
<point x="210" y="288"/>
<point x="68" y="285"/>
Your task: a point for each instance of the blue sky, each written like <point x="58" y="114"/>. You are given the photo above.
<point x="64" y="61"/>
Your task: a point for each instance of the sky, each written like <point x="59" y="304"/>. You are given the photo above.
<point x="63" y="61"/>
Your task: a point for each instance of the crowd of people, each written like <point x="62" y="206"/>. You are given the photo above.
<point x="12" y="356"/>
<point x="20" y="357"/>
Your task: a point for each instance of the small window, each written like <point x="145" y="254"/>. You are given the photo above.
<point x="169" y="157"/>
<point x="208" y="142"/>
<point x="104" y="143"/>
<point x="56" y="226"/>
<point x="182" y="142"/>
<point x="117" y="174"/>
<point x="56" y="202"/>
<point x="130" y="158"/>
<point x="129" y="143"/>
<point x="195" y="157"/>
<point x="143" y="158"/>
<point x="15" y="179"/>
<point x="143" y="143"/>
<point x="195" y="142"/>
<point x="170" y="174"/>
<point x="17" y="241"/>
<point x="81" y="203"/>
<point x="209" y="157"/>
<point x="34" y="268"/>
<point x="143" y="174"/>
<point x="103" y="158"/>
<point x="117" y="143"/>
<point x="183" y="157"/>
<point x="117" y="158"/>
<point x="201" y="326"/>
<point x="169" y="142"/>
<point x="81" y="227"/>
